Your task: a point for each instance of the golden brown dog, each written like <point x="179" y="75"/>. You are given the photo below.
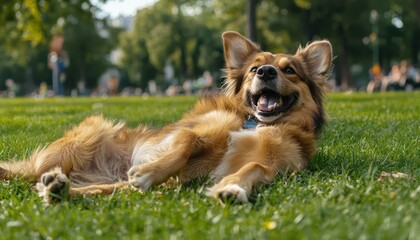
<point x="266" y="122"/>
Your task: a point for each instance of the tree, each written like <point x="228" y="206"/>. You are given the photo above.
<point x="251" y="20"/>
<point x="186" y="35"/>
<point x="30" y="25"/>
<point x="88" y="42"/>
<point x="21" y="36"/>
<point x="346" y="24"/>
<point x="416" y="35"/>
<point x="175" y="33"/>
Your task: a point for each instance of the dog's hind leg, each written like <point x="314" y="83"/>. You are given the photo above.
<point x="82" y="149"/>
<point x="192" y="150"/>
<point x="54" y="186"/>
<point x="170" y="161"/>
<point x="100" y="189"/>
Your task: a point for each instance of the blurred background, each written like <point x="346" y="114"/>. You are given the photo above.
<point x="169" y="47"/>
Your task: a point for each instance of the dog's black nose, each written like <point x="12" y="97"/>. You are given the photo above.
<point x="266" y="72"/>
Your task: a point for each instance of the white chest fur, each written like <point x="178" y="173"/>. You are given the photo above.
<point x="149" y="151"/>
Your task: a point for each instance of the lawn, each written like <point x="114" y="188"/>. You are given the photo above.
<point x="339" y="197"/>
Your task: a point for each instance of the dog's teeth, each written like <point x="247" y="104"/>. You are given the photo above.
<point x="279" y="102"/>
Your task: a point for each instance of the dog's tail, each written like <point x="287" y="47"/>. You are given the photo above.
<point x="18" y="169"/>
<point x="29" y="169"/>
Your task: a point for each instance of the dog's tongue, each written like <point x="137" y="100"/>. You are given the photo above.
<point x="268" y="103"/>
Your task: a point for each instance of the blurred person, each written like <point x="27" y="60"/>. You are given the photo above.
<point x="11" y="88"/>
<point x="187" y="87"/>
<point x="404" y="79"/>
<point x="112" y="85"/>
<point x="43" y="90"/>
<point x="376" y="79"/>
<point x="173" y="90"/>
<point x="393" y="79"/>
<point x="206" y="83"/>
<point x="403" y="70"/>
<point x="412" y="78"/>
<point x="58" y="61"/>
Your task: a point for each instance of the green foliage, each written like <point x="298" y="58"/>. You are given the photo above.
<point x="186" y="34"/>
<point x="88" y="42"/>
<point x="347" y="25"/>
<point x="337" y="198"/>
<point x="30" y="25"/>
<point x="22" y="27"/>
<point x="281" y="27"/>
<point x="170" y="32"/>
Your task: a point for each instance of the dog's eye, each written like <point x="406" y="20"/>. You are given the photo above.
<point x="288" y="70"/>
<point x="254" y="69"/>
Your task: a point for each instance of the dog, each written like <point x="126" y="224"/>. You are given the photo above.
<point x="265" y="122"/>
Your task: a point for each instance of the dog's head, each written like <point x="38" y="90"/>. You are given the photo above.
<point x="278" y="87"/>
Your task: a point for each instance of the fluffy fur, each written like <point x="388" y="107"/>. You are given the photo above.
<point x="282" y="95"/>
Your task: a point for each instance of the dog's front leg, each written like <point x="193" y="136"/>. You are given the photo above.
<point x="236" y="188"/>
<point x="273" y="150"/>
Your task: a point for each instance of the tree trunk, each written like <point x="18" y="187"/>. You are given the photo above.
<point x="251" y="20"/>
<point x="182" y="45"/>
<point x="415" y="46"/>
<point x="184" y="65"/>
<point x="416" y="35"/>
<point x="29" y="81"/>
<point x="310" y="27"/>
<point x="82" y="72"/>
<point x="343" y="59"/>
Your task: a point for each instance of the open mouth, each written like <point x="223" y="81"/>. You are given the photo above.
<point x="268" y="103"/>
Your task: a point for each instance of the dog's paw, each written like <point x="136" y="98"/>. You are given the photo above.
<point x="53" y="186"/>
<point x="140" y="179"/>
<point x="231" y="193"/>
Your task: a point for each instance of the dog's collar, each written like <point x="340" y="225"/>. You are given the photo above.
<point x="251" y="122"/>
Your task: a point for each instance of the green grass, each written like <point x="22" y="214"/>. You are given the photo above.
<point x="337" y="198"/>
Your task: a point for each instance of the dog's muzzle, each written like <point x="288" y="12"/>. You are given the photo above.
<point x="265" y="97"/>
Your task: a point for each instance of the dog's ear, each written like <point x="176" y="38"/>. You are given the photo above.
<point x="237" y="49"/>
<point x="318" y="57"/>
